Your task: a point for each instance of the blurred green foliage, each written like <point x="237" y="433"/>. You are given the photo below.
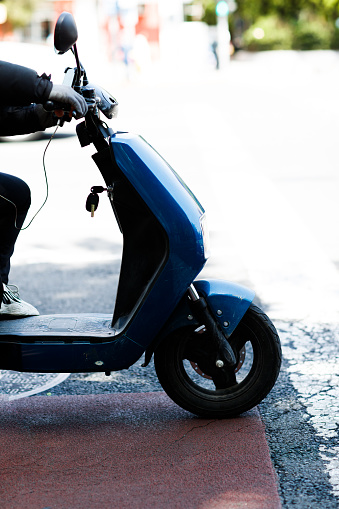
<point x="308" y="32"/>
<point x="251" y="10"/>
<point x="209" y="15"/>
<point x="281" y="24"/>
<point x="314" y="33"/>
<point x="19" y="12"/>
<point x="289" y="24"/>
<point x="268" y="33"/>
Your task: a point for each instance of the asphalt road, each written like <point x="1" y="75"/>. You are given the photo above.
<point x="257" y="144"/>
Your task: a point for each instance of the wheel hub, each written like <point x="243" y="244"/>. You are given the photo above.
<point x="242" y="355"/>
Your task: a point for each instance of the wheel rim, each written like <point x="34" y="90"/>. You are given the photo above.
<point x="200" y="377"/>
<point x="242" y="356"/>
<point x="242" y="389"/>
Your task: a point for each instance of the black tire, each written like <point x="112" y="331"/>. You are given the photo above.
<point x="208" y="391"/>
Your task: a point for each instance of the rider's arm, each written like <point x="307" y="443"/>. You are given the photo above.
<point x="20" y="86"/>
<point x="24" y="120"/>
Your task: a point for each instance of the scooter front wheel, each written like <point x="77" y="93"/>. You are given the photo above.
<point x="185" y="363"/>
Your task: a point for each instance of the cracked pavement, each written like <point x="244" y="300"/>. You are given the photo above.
<point x="301" y="416"/>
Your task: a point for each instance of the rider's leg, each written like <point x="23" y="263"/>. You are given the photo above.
<point x="15" y="200"/>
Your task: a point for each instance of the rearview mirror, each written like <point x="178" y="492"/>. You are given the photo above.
<point x="65" y="33"/>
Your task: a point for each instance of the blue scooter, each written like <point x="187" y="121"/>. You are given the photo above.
<point x="215" y="353"/>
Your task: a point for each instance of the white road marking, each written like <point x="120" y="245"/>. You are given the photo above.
<point x="15" y="385"/>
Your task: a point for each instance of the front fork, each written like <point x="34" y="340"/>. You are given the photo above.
<point x="218" y="305"/>
<point x="204" y="316"/>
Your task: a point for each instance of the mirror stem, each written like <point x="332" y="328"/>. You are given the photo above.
<point x="78" y="78"/>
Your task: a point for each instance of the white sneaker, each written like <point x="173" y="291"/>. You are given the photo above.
<point x="13" y="307"/>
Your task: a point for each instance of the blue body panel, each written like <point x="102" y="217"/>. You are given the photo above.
<point x="41" y="348"/>
<point x="179" y="213"/>
<point x="78" y="358"/>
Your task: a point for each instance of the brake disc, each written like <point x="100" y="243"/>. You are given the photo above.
<point x="242" y="356"/>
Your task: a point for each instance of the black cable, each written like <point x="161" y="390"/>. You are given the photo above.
<point x="46" y="180"/>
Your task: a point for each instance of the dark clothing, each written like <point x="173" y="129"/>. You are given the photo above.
<point x="20" y="88"/>
<point x="19" y="120"/>
<point x="11" y="218"/>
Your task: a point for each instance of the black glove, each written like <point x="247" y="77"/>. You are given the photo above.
<point x="67" y="95"/>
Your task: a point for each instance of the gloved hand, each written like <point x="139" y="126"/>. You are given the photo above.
<point x="67" y="95"/>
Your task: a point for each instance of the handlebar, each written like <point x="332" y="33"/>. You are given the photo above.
<point x="96" y="98"/>
<point x="59" y="109"/>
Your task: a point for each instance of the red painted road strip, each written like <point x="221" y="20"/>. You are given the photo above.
<point x="130" y="451"/>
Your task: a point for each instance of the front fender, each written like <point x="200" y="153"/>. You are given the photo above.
<point x="227" y="301"/>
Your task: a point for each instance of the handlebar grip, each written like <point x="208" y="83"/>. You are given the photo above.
<point x="56" y="106"/>
<point x="59" y="109"/>
<point x="49" y="106"/>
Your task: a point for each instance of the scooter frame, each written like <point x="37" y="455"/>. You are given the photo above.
<point x="164" y="251"/>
